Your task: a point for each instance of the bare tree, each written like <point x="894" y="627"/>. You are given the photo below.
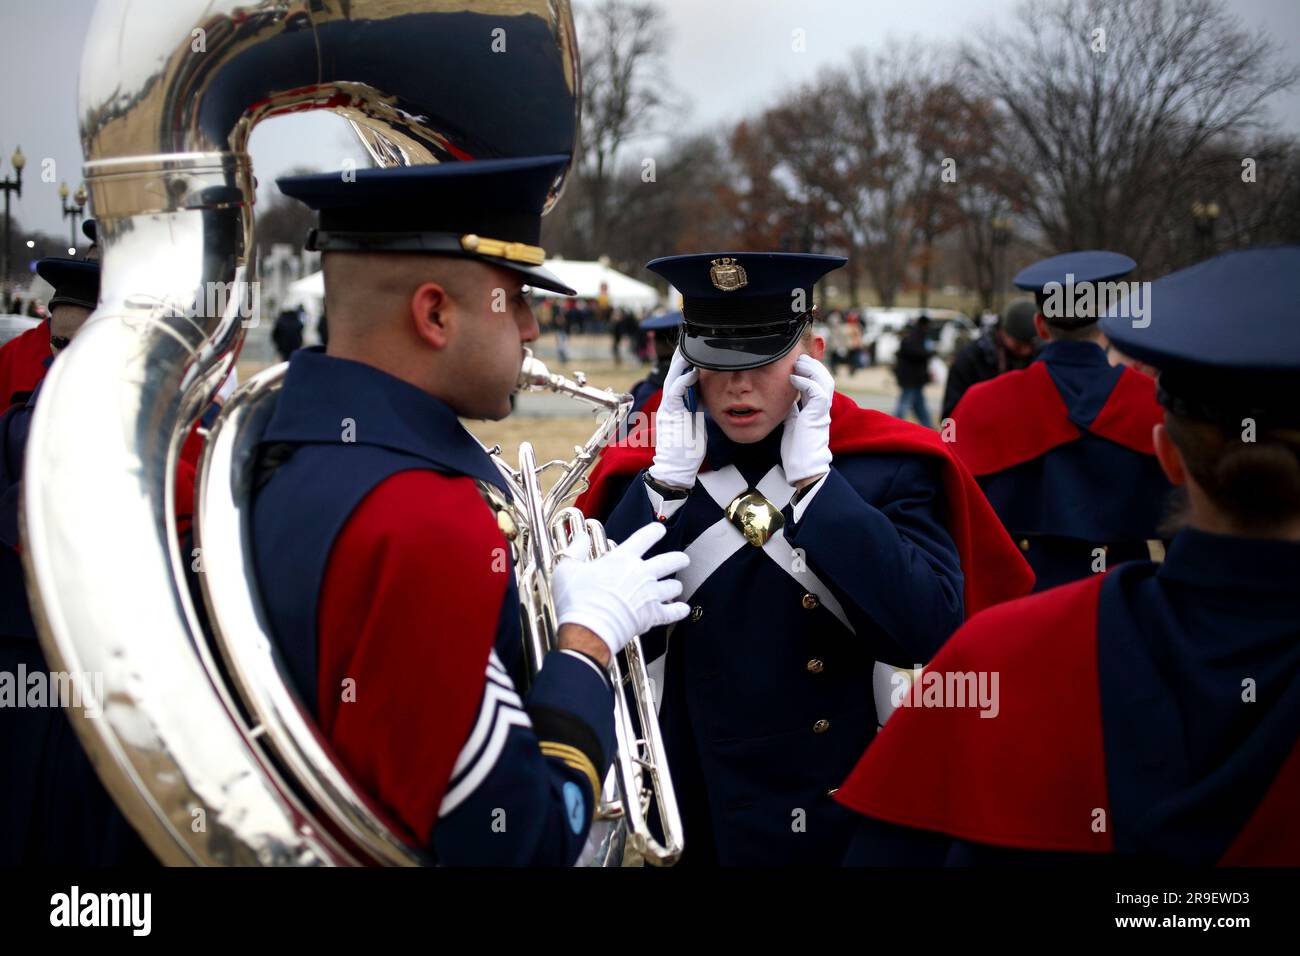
<point x="624" y="94"/>
<point x="847" y="144"/>
<point x="1115" y="106"/>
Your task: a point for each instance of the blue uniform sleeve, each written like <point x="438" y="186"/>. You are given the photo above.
<point x="893" y="559"/>
<point x="634" y="511"/>
<point x="528" y="780"/>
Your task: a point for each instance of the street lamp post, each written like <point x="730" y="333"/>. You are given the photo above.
<point x="73" y="212"/>
<point x="14" y="185"/>
<point x="1204" y="215"/>
<point x="1001" y="237"/>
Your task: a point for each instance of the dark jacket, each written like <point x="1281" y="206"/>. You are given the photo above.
<point x="911" y="367"/>
<point x="979" y="361"/>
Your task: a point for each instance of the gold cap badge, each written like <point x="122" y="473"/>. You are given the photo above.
<point x="727" y="275"/>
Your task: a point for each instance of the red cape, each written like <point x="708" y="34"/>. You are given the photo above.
<point x="1034" y="776"/>
<point x="993" y="567"/>
<point x="1020" y="415"/>
<point x="22" y="362"/>
<point x="1030" y="778"/>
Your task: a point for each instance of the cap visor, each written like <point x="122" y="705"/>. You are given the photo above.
<point x="537" y="276"/>
<point x="734" y="354"/>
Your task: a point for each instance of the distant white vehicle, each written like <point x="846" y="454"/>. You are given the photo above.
<point x="12" y="326"/>
<point x="886" y="326"/>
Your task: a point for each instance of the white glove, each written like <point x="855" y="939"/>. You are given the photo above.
<point x="806" y="440"/>
<point x="679" y="444"/>
<point x="619" y="595"/>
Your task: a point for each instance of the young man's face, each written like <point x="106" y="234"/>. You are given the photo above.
<point x="748" y="405"/>
<point x="496" y="322"/>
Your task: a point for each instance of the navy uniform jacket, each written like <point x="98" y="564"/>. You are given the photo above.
<point x="53" y="809"/>
<point x="1149" y="714"/>
<point x="1063" y="452"/>
<point x="392" y="598"/>
<point x="770" y="689"/>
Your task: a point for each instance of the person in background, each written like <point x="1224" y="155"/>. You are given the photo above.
<point x="287" y="332"/>
<point x="663" y="328"/>
<point x="1007" y="346"/>
<point x="53" y="809"/>
<point x="912" y="370"/>
<point x="1063" y="448"/>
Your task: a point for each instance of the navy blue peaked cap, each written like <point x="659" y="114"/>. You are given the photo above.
<point x="1225" y="335"/>
<point x="488" y="209"/>
<point x="1090" y="265"/>
<point x="743" y="309"/>
<point x="1069" y="270"/>
<point x="662" y="320"/>
<point x="75" y="281"/>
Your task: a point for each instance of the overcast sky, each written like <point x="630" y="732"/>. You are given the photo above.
<point x="729" y="57"/>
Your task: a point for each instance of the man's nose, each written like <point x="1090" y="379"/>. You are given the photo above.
<point x="528" y="328"/>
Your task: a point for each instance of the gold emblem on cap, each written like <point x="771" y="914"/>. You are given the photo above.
<point x="755" y="517"/>
<point x="727" y="274"/>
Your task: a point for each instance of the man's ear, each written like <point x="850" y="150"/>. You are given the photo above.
<point x="818" y="347"/>
<point x="431" y="314"/>
<point x="1170" y="458"/>
<point x="1040" y="326"/>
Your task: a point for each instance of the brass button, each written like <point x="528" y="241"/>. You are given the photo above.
<point x="507" y="525"/>
<point x="815" y="666"/>
<point x="1024" y="544"/>
<point x="810" y="601"/>
<point x="821" y="726"/>
<point x="697" y="612"/>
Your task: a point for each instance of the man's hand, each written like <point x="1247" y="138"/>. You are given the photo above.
<point x="806" y="441"/>
<point x="618" y="595"/>
<point x="679" y="448"/>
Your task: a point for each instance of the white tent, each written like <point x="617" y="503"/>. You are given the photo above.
<point x="308" y="292"/>
<point x="585" y="277"/>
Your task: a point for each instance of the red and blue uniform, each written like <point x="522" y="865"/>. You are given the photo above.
<point x="391" y="595"/>
<point x="1062" y="450"/>
<point x="771" y="688"/>
<point x="53" y="809"/>
<point x="23" y="364"/>
<point x="1152" y="713"/>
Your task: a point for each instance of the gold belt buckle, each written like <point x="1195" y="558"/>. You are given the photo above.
<point x="755" y="517"/>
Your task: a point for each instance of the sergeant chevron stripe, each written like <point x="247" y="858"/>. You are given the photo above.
<point x="500" y="710"/>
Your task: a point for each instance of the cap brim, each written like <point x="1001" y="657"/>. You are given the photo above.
<point x="733" y="353"/>
<point x="538" y="276"/>
<point x="71" y="300"/>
